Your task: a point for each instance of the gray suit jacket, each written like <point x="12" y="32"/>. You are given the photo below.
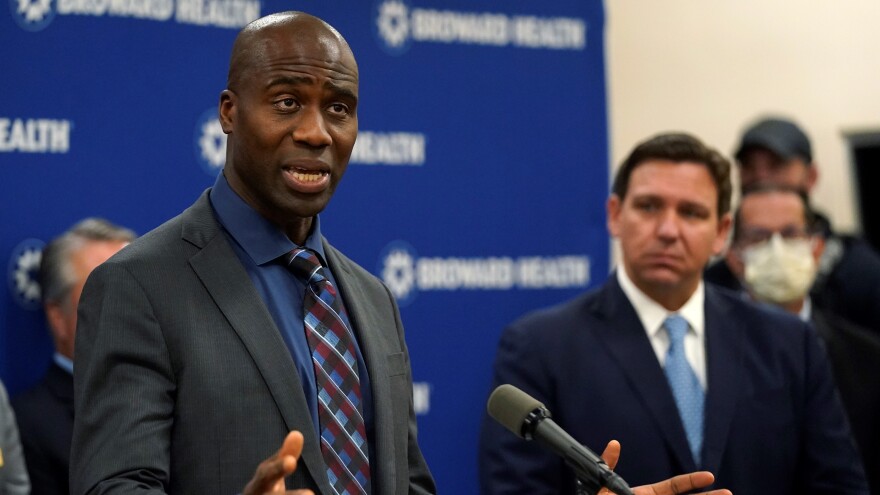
<point x="13" y="474"/>
<point x="184" y="384"/>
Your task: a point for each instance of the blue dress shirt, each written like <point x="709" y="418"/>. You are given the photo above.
<point x="260" y="245"/>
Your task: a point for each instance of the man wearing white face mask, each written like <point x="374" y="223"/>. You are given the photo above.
<point x="775" y="254"/>
<point x="781" y="269"/>
<point x="776" y="150"/>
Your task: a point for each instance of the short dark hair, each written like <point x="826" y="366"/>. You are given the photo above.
<point x="772" y="187"/>
<point x="678" y="147"/>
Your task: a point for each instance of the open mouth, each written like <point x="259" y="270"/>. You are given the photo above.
<point x="307" y="181"/>
<point x="308" y="176"/>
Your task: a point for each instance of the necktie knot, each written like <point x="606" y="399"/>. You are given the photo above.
<point x="305" y="264"/>
<point x="676" y="327"/>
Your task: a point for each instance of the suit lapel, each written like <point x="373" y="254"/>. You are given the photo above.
<point x="218" y="267"/>
<point x="365" y="321"/>
<point x="628" y="343"/>
<point x="724" y="350"/>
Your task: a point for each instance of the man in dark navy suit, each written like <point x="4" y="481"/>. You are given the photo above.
<point x="687" y="376"/>
<point x="775" y="253"/>
<point x="45" y="412"/>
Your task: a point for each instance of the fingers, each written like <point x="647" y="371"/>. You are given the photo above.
<point x="293" y="444"/>
<point x="682" y="484"/>
<point x="691" y="481"/>
<point x="611" y="454"/>
<point x="269" y="476"/>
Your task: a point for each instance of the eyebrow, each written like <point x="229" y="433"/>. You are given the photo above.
<point x="301" y="80"/>
<point x="695" y="204"/>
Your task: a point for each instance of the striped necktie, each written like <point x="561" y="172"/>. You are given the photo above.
<point x="340" y="412"/>
<point x="686" y="387"/>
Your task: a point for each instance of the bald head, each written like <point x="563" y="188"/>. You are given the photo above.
<point x="253" y="45"/>
<point x="290" y="115"/>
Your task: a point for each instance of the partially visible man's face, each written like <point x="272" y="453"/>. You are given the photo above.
<point x="668" y="227"/>
<point x="759" y="165"/>
<point x="292" y="121"/>
<point x="763" y="214"/>
<point x="62" y="316"/>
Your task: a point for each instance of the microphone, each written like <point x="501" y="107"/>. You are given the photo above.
<point x="527" y="418"/>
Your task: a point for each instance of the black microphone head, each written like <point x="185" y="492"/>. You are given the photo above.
<point x="511" y="407"/>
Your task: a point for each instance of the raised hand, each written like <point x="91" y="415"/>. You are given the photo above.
<point x="675" y="485"/>
<point x="270" y="474"/>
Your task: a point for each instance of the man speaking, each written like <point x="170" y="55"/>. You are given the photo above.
<point x="236" y="324"/>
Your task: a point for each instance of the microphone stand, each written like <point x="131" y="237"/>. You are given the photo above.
<point x="587" y="487"/>
<point x="586" y="464"/>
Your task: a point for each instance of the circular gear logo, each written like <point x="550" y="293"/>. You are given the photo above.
<point x="210" y="143"/>
<point x="23" y="272"/>
<point x="398" y="270"/>
<point x="392" y="25"/>
<point x="32" y="15"/>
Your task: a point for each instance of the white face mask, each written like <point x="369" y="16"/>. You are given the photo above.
<point x="779" y="270"/>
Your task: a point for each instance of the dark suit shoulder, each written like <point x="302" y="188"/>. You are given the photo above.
<point x="54" y="390"/>
<point x="718" y="273"/>
<point x="764" y="328"/>
<point x="195" y="226"/>
<point x="559" y="315"/>
<point x="848" y="283"/>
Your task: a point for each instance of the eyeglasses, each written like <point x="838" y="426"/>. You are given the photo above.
<point x="755" y="235"/>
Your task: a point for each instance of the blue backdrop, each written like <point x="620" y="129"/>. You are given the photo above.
<point x="476" y="190"/>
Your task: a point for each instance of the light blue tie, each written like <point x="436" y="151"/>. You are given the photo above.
<point x="685" y="385"/>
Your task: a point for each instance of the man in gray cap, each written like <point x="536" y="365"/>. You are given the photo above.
<point x="777" y="151"/>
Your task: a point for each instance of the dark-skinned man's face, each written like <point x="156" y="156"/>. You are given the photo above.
<point x="292" y="120"/>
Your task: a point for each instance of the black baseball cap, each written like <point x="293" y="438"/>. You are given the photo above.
<point x="783" y="137"/>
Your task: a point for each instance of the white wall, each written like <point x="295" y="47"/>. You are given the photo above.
<point x="710" y="67"/>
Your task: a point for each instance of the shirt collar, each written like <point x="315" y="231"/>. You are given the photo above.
<point x="257" y="236"/>
<point x="806" y="312"/>
<point x="63" y="362"/>
<point x="652" y="314"/>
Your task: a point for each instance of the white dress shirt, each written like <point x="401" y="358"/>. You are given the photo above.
<point x="652" y="316"/>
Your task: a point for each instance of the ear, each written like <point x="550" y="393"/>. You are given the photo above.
<point x="733" y="258"/>
<point x="57" y="321"/>
<point x="227" y="110"/>
<point x="812" y="177"/>
<point x="818" y="247"/>
<point x="613" y="207"/>
<point x="724" y="224"/>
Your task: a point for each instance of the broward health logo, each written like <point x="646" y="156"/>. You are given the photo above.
<point x="398" y="270"/>
<point x="406" y="274"/>
<point x="210" y="143"/>
<point x="389" y="148"/>
<point x="397" y="25"/>
<point x="32" y="15"/>
<point x="35" y="135"/>
<point x="392" y="25"/>
<point x="36" y="15"/>
<point x="24" y="266"/>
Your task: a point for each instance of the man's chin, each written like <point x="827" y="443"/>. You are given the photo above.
<point x="661" y="279"/>
<point x="308" y="206"/>
<point x="661" y="275"/>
